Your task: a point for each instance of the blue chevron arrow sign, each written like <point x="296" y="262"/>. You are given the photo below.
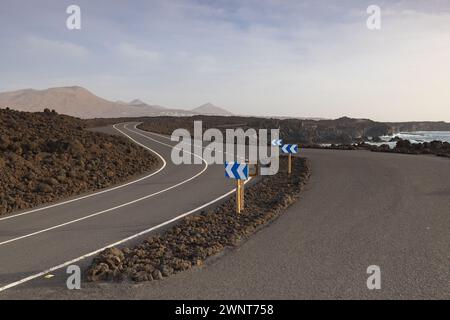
<point x="277" y="142"/>
<point x="235" y="170"/>
<point x="289" y="148"/>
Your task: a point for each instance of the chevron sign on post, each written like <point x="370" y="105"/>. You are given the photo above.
<point x="277" y="142"/>
<point x="238" y="171"/>
<point x="289" y="149"/>
<point x="235" y="170"/>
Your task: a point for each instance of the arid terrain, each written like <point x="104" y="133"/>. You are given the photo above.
<point x="79" y="102"/>
<point x="45" y="157"/>
<point x="303" y="131"/>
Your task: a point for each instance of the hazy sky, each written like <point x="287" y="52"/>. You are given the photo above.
<point x="259" y="57"/>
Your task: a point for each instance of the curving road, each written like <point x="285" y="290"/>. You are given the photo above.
<point x="43" y="240"/>
<point x="359" y="209"/>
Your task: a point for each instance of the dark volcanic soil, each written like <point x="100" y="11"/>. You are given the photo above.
<point x="438" y="148"/>
<point x="45" y="157"/>
<point x="200" y="236"/>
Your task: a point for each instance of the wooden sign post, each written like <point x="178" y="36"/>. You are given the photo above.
<point x="289" y="149"/>
<point x="242" y="194"/>
<point x="238" y="171"/>
<point x="290" y="164"/>
<point x="239" y="195"/>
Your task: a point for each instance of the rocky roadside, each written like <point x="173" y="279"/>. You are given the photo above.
<point x="45" y="157"/>
<point x="200" y="236"/>
<point x="438" y="148"/>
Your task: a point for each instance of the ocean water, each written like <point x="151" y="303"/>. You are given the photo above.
<point x="421" y="136"/>
<point x="416" y="137"/>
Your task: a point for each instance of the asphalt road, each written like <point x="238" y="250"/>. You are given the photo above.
<point x="36" y="241"/>
<point x="359" y="209"/>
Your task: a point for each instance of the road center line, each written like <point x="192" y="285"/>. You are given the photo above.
<point x="113" y="208"/>
<point x="99" y="192"/>
<point x="67" y="263"/>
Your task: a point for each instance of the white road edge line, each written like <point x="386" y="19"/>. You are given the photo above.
<point x="116" y="207"/>
<point x="99" y="192"/>
<point x="67" y="263"/>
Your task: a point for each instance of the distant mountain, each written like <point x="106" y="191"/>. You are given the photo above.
<point x="208" y="109"/>
<point x="79" y="102"/>
<point x="136" y="102"/>
<point x="141" y="104"/>
<point x="75" y="101"/>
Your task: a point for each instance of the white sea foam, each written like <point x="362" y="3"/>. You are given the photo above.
<point x="421" y="136"/>
<point x="415" y="137"/>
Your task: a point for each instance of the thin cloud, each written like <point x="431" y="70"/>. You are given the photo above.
<point x="130" y="51"/>
<point x="42" y="46"/>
